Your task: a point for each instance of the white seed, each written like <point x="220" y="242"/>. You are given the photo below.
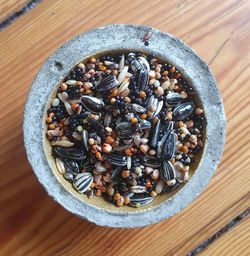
<point x="123" y="86"/>
<point x="60" y="166"/>
<point x="91" y="141"/>
<point x="193" y="138"/>
<point x="151" y="74"/>
<point x="122" y="63"/>
<point x="159" y="187"/>
<point x="178" y="165"/>
<point x="79" y="110"/>
<point x="108" y="63"/>
<point x="77" y="136"/>
<point x="71" y="82"/>
<point x="183" y="94"/>
<point x="179" y="176"/>
<point x="110" y="190"/>
<point x="149" y="170"/>
<point x="138" y="189"/>
<point x="107" y="119"/>
<point x="54" y="132"/>
<point x="63" y="96"/>
<point x="151" y="152"/>
<point x="128" y="142"/>
<point x="152" y="81"/>
<point x="157" y="75"/>
<point x="62" y="143"/>
<point x="137" y="140"/>
<point x="108" y="129"/>
<point x="144" y="141"/>
<point x="68" y="108"/>
<point x="197" y="131"/>
<point x="178" y="157"/>
<point x="178" y="144"/>
<point x="186" y="177"/>
<point x="138" y="171"/>
<point x="129" y="162"/>
<point x="157" y="83"/>
<point x="152" y="108"/>
<point x="129" y="74"/>
<point x="153" y="61"/>
<point x="173" y="82"/>
<point x="171" y="183"/>
<point x="146" y="133"/>
<point x="99" y="167"/>
<point x="122" y="75"/>
<point x="82" y="66"/>
<point x="159" y="91"/>
<point x="184" y="130"/>
<point x="125" y="93"/>
<point x="165" y="85"/>
<point x="55" y="102"/>
<point x="155" y="175"/>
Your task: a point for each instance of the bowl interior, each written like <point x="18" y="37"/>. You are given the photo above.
<point x="99" y="201"/>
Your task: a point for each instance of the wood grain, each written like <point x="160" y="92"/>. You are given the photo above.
<point x="235" y="242"/>
<point x="8" y="7"/>
<point x="31" y="222"/>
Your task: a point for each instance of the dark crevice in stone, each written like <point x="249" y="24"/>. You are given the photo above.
<point x="9" y="20"/>
<point x="58" y="65"/>
<point x="218" y="234"/>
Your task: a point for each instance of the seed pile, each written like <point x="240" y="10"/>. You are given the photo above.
<point x="125" y="127"/>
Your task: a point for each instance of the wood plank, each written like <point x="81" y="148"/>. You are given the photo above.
<point x="217" y="30"/>
<point x="235" y="242"/>
<point x="9" y="7"/>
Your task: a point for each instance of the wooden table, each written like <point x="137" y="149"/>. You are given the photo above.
<point x="31" y="222"/>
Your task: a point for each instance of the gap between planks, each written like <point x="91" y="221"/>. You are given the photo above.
<point x="201" y="247"/>
<point x="11" y="18"/>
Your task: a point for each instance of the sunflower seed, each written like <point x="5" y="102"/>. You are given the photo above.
<point x="168" y="171"/>
<point x="82" y="182"/>
<point x="138" y="201"/>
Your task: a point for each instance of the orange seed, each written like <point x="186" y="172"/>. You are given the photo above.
<point x="99" y="156"/>
<point x="74" y="106"/>
<point x="134" y="120"/>
<point x="184" y="149"/>
<point x="49" y="120"/>
<point x="98" y="192"/>
<point x="142" y="94"/>
<point x="125" y="174"/>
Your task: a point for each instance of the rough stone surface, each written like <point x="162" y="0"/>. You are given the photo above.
<point x="125" y="37"/>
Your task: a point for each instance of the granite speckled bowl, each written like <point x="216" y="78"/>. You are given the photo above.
<point x="122" y="38"/>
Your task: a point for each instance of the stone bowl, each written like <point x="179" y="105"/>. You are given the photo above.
<point x="122" y="38"/>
